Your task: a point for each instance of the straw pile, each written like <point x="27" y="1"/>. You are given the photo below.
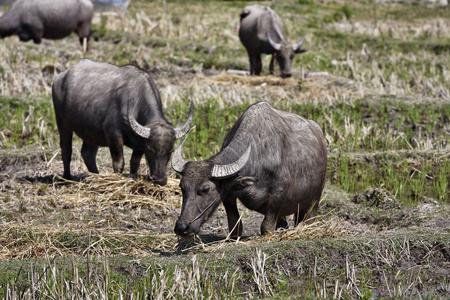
<point x="115" y="189"/>
<point x="47" y="241"/>
<point x="255" y="80"/>
<point x="317" y="230"/>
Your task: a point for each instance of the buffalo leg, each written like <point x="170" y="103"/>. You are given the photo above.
<point x="84" y="45"/>
<point x="65" y="141"/>
<point x="258" y="65"/>
<point x="234" y="222"/>
<point x="89" y="152"/>
<point x="251" y="58"/>
<point x="269" y="223"/>
<point x="135" y="161"/>
<point x="271" y="64"/>
<point x="116" y="149"/>
<point x="84" y="33"/>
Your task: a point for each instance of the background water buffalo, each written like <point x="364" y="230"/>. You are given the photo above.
<point x="261" y="32"/>
<point x="48" y="19"/>
<point x="107" y="105"/>
<point x="273" y="161"/>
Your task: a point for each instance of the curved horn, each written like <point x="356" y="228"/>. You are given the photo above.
<point x="299" y="44"/>
<point x="137" y="128"/>
<point x="177" y="160"/>
<point x="224" y="171"/>
<point x="276" y="46"/>
<point x="180" y="131"/>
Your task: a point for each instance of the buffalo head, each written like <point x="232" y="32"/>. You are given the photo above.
<point x="284" y="53"/>
<point x="159" y="139"/>
<point x="204" y="185"/>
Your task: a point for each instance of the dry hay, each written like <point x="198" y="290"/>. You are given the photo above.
<point x="318" y="230"/>
<point x="330" y="87"/>
<point x="255" y="80"/>
<point x="115" y="189"/>
<point x="398" y="29"/>
<point x="48" y="241"/>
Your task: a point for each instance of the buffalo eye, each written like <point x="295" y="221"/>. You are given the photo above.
<point x="204" y="190"/>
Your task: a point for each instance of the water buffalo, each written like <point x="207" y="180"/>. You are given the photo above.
<point x="261" y="31"/>
<point x="273" y="161"/>
<point x="48" y="19"/>
<point x="108" y="105"/>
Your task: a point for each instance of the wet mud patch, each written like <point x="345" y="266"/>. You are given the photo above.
<point x="376" y="197"/>
<point x="9" y="164"/>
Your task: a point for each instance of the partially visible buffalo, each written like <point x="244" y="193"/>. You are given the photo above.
<point x="273" y="161"/>
<point x="261" y="32"/>
<point x="107" y="105"/>
<point x="48" y="19"/>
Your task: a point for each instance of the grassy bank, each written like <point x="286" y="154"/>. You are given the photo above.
<point x="279" y="270"/>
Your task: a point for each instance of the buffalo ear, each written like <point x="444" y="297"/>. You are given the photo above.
<point x="244" y="182"/>
<point x="300" y="51"/>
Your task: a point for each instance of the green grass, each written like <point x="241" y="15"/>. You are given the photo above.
<point x="407" y="179"/>
<point x="26" y="122"/>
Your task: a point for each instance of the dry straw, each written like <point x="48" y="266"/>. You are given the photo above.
<point x="317" y="230"/>
<point x="115" y="189"/>
<point x="40" y="241"/>
<point x="255" y="80"/>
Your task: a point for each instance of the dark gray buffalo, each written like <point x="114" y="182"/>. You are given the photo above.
<point x="48" y="19"/>
<point x="107" y="105"/>
<point x="261" y="32"/>
<point x="273" y="161"/>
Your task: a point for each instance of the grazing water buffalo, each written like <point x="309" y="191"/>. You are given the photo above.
<point x="261" y="31"/>
<point x="273" y="161"/>
<point x="107" y="105"/>
<point x="48" y="19"/>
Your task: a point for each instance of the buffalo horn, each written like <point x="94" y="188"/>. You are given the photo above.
<point x="299" y="44"/>
<point x="182" y="130"/>
<point x="223" y="171"/>
<point x="137" y="128"/>
<point x="276" y="46"/>
<point x="177" y="161"/>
